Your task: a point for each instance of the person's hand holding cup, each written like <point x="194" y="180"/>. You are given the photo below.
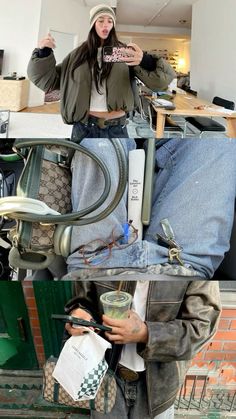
<point x="127" y="326"/>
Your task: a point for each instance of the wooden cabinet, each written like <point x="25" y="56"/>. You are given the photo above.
<point x="14" y="94"/>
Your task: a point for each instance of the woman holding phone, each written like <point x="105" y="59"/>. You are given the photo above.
<point x="96" y="95"/>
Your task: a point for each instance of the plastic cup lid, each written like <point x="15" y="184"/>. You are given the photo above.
<point x="116" y="298"/>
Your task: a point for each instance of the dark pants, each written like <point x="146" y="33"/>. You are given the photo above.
<point x="131" y="403"/>
<point x="91" y="130"/>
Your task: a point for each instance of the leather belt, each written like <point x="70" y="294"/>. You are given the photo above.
<point x="104" y="123"/>
<point x="127" y="374"/>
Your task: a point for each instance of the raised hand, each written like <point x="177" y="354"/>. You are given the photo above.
<point x="134" y="54"/>
<point x="48" y="41"/>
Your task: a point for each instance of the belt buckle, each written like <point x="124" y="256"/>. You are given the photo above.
<point x="101" y="123"/>
<point x="128" y="374"/>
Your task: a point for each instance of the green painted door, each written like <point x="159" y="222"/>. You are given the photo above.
<point x="51" y="297"/>
<point x="16" y="343"/>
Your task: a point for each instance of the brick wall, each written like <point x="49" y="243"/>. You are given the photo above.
<point x="34" y="320"/>
<point x="217" y="360"/>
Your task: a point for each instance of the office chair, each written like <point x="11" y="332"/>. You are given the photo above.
<point x="148" y="114"/>
<point x="205" y="124"/>
<point x="4" y="122"/>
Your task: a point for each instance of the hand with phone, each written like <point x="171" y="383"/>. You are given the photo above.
<point x="47" y="41"/>
<point x="131" y="54"/>
<point x="75" y="330"/>
<point x="134" y="55"/>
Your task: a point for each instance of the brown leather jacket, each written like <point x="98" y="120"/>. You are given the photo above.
<point x="181" y="317"/>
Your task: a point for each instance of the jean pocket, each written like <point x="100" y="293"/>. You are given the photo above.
<point x="79" y="132"/>
<point x="118" y="131"/>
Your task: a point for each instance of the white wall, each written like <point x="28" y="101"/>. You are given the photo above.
<point x="213" y="56"/>
<point x="186" y="55"/>
<point x="68" y="16"/>
<point x="24" y="22"/>
<point x="19" y="23"/>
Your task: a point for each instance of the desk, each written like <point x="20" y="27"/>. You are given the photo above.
<point x="185" y="104"/>
<point x="14" y="94"/>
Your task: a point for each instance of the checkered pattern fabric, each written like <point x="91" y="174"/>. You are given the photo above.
<point x="55" y="393"/>
<point x="92" y="380"/>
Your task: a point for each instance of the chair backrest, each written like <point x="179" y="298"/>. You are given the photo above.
<point x="134" y="87"/>
<point x="223" y="102"/>
<point x="4" y="121"/>
<point x="144" y="106"/>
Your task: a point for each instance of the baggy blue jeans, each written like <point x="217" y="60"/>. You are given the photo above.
<point x="194" y="188"/>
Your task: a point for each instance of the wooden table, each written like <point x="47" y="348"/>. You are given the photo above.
<point x="185" y="104"/>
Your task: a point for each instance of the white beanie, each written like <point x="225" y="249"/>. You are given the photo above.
<point x="101" y="10"/>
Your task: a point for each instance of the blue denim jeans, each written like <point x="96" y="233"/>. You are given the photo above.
<point x="194" y="188"/>
<point x="131" y="403"/>
<point x="81" y="131"/>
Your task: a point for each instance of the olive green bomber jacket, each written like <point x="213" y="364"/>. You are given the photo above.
<point x="76" y="90"/>
<point x="181" y="317"/>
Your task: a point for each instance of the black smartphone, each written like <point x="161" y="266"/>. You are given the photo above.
<point x="80" y="322"/>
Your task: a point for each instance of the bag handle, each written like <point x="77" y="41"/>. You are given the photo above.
<point x="79" y="217"/>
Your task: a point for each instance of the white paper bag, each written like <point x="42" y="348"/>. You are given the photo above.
<point x="81" y="365"/>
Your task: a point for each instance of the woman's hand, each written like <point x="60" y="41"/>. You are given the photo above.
<point x="131" y="330"/>
<point x="76" y="330"/>
<point x="136" y="54"/>
<point x="48" y="41"/>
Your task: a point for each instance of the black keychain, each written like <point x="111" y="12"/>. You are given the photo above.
<point x="81" y="322"/>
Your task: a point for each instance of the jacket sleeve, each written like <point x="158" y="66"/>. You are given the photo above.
<point x="158" y="79"/>
<point x="44" y="72"/>
<point x="195" y="325"/>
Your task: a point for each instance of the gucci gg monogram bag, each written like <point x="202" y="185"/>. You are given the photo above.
<point x="54" y="392"/>
<point x="46" y="177"/>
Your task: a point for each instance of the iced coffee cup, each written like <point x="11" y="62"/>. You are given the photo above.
<point x="116" y="304"/>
